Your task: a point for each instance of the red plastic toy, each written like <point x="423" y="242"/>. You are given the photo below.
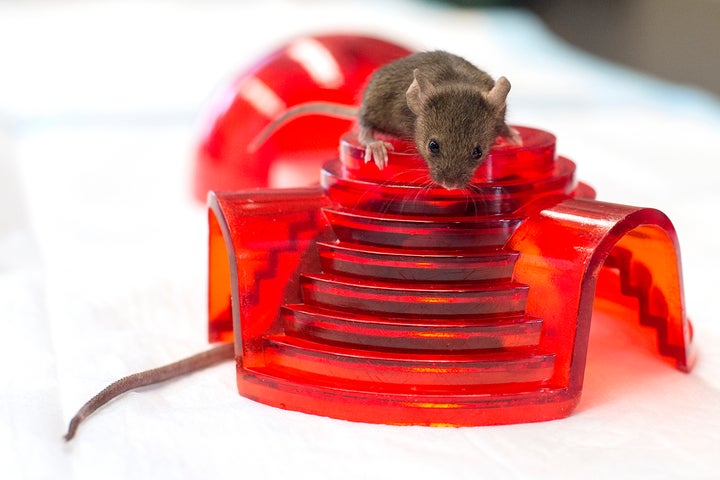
<point x="374" y="297"/>
<point x="331" y="68"/>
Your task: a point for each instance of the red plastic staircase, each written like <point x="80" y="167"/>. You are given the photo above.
<point x="397" y="302"/>
<point x="431" y="316"/>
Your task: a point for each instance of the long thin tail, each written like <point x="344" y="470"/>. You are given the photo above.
<point x="310" y="108"/>
<point x="191" y="364"/>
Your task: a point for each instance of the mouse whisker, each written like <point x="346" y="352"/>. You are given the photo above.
<point x="473" y="200"/>
<point x="478" y="197"/>
<point x="469" y="200"/>
<point x="403" y="197"/>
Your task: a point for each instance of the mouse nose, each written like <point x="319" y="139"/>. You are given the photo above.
<point x="449" y="177"/>
<point x="449" y="185"/>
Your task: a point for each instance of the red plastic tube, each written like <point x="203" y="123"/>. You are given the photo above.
<point x="331" y="68"/>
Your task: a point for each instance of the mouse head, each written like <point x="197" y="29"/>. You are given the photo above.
<point x="455" y="126"/>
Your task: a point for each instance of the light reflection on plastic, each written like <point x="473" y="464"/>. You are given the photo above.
<point x="317" y="61"/>
<point x="262" y="98"/>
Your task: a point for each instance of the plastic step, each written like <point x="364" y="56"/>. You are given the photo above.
<point x="368" y="366"/>
<point x="411" y="333"/>
<point x="424" y="299"/>
<point x="415" y="265"/>
<point x="406" y="404"/>
<point x="421" y="232"/>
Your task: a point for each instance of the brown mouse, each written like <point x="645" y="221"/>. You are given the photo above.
<point x="452" y="110"/>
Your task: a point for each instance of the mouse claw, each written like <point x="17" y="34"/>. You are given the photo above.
<point x="368" y="154"/>
<point x="377" y="151"/>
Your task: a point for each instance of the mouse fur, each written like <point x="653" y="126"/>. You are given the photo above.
<point x="449" y="108"/>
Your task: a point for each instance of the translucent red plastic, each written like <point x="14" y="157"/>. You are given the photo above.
<point x="331" y="68"/>
<point x="377" y="296"/>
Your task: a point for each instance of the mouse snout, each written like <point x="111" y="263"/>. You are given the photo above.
<point x="452" y="185"/>
<point x="451" y="180"/>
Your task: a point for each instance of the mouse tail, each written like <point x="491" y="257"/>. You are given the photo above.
<point x="187" y="365"/>
<point x="310" y="108"/>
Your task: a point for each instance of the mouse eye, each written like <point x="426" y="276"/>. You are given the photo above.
<point x="434" y="147"/>
<point x="476" y="153"/>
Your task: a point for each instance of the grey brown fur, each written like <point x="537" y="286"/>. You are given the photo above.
<point x="426" y="96"/>
<point x="441" y="97"/>
<point x="423" y="97"/>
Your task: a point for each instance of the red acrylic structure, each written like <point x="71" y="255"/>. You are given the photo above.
<point x="331" y="68"/>
<point x="379" y="297"/>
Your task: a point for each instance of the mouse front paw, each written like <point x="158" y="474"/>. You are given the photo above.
<point x="377" y="151"/>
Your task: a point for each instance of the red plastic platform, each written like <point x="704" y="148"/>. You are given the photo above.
<point x="379" y="297"/>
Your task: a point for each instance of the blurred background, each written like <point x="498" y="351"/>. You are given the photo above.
<point x="675" y="40"/>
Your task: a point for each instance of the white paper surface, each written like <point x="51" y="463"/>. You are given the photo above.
<point x="103" y="249"/>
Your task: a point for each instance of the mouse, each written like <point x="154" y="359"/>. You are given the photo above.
<point x="194" y="363"/>
<point x="448" y="107"/>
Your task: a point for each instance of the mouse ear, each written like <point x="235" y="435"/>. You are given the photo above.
<point x="419" y="92"/>
<point x="497" y="95"/>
